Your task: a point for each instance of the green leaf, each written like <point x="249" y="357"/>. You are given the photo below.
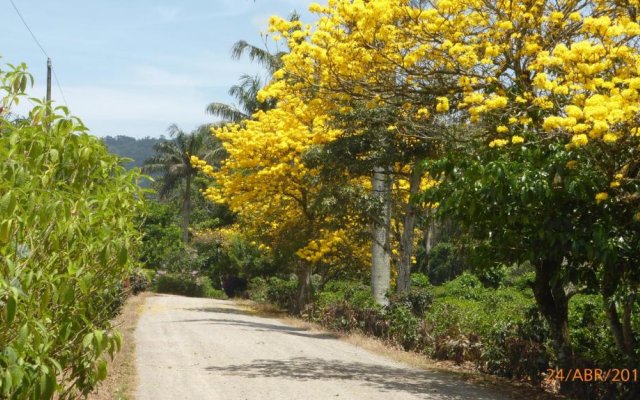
<point x="7" y="383"/>
<point x="5" y="231"/>
<point x="54" y="155"/>
<point x="8" y="203"/>
<point x="49" y="385"/>
<point x="122" y="255"/>
<point x="99" y="335"/>
<point x="17" y="373"/>
<point x="12" y="306"/>
<point x="102" y="370"/>
<point x="86" y="341"/>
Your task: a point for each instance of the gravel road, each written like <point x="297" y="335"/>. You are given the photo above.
<point x="211" y="349"/>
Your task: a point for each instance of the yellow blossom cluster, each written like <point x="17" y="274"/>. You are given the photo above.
<point x="201" y="165"/>
<point x="327" y="244"/>
<point x="541" y="70"/>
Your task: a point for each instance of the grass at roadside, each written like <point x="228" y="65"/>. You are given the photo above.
<point x="121" y="375"/>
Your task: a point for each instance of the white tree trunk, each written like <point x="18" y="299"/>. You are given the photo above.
<point x="380" y="259"/>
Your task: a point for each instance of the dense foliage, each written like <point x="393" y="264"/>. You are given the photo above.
<point x="187" y="285"/>
<point x="66" y="243"/>
<point x="510" y="124"/>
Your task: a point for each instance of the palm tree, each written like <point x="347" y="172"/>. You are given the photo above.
<point x="247" y="90"/>
<point x="245" y="93"/>
<point x="172" y="161"/>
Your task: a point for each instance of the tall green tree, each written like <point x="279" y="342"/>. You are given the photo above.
<point x="246" y="91"/>
<point x="172" y="161"/>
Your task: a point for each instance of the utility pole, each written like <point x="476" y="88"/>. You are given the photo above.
<point x="48" y="81"/>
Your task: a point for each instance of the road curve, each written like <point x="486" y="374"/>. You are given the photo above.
<point x="190" y="348"/>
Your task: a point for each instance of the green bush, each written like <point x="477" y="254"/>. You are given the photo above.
<point x="217" y="294"/>
<point x="445" y="263"/>
<point x="257" y="289"/>
<point x="185" y="285"/>
<point x="346" y="306"/>
<point x="161" y="235"/>
<point x="590" y="332"/>
<point x="418" y="300"/>
<point x="282" y="292"/>
<point x="403" y="327"/>
<point x="138" y="282"/>
<point x="465" y="286"/>
<point x="67" y="244"/>
<point x="419" y="280"/>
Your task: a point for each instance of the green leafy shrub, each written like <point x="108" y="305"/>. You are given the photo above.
<point x="282" y="292"/>
<point x="347" y="306"/>
<point x="138" y="282"/>
<point x="418" y="300"/>
<point x="257" y="289"/>
<point x="67" y="243"/>
<point x="403" y="327"/>
<point x="517" y="349"/>
<point x="184" y="285"/>
<point x="445" y="263"/>
<point x="216" y="294"/>
<point x="590" y="331"/>
<point x="419" y="280"/>
<point x="465" y="286"/>
<point x="161" y="235"/>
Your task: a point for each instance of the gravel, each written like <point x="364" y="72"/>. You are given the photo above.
<point x="190" y="348"/>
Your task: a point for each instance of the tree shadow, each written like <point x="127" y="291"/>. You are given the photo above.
<point x="417" y="382"/>
<point x="388" y="378"/>
<point x="218" y="310"/>
<point x="263" y="327"/>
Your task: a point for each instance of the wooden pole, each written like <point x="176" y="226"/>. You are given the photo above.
<point x="48" y="81"/>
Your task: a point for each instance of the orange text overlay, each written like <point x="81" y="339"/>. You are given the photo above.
<point x="592" y="375"/>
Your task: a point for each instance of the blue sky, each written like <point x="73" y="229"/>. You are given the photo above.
<point x="135" y="67"/>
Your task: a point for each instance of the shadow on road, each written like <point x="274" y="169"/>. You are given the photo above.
<point x="390" y="378"/>
<point x="263" y="327"/>
<point x="219" y="310"/>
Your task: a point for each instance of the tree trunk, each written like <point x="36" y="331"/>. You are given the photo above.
<point x="615" y="325"/>
<point x="186" y="210"/>
<point x="403" y="281"/>
<point x="621" y="330"/>
<point x="553" y="303"/>
<point x="380" y="259"/>
<point x="304" y="295"/>
<point x="627" y="328"/>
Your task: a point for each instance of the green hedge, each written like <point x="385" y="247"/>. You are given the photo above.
<point x="67" y="239"/>
<point x="187" y="285"/>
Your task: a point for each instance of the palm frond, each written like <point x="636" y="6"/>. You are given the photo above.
<point x="256" y="54"/>
<point x="226" y="112"/>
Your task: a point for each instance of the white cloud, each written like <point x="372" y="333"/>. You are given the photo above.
<point x="131" y="111"/>
<point x="205" y="71"/>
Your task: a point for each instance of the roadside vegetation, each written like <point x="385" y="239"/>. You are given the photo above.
<point x="489" y="146"/>
<point x="459" y="179"/>
<point x="67" y="238"/>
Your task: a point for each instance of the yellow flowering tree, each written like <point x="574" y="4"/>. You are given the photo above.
<point x="551" y="89"/>
<point x="265" y="181"/>
<point x="362" y="63"/>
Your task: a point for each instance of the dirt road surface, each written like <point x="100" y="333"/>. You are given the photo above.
<point x="211" y="349"/>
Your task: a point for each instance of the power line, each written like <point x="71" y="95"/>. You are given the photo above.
<point x="29" y="29"/>
<point x="35" y="39"/>
<point x="55" y="76"/>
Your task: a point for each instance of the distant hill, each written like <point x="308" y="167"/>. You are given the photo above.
<point x="136" y="149"/>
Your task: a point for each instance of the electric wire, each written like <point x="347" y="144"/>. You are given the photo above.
<point x="35" y="39"/>
<point x="29" y="29"/>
